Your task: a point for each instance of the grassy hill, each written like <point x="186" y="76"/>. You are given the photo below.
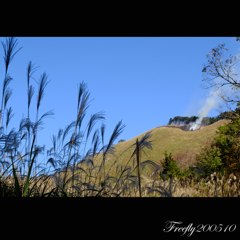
<point x="182" y="144"/>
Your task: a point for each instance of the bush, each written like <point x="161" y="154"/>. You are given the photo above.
<point x="223" y="153"/>
<point x="170" y="168"/>
<point x="228" y="140"/>
<point x="209" y="160"/>
<point x="193" y="172"/>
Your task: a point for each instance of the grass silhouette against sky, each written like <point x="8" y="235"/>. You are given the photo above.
<point x="142" y="81"/>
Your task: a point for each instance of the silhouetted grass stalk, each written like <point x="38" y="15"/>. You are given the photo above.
<point x="83" y="106"/>
<point x="138" y="162"/>
<point x="9" y="47"/>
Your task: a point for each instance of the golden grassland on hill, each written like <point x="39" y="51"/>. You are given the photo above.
<point x="183" y="145"/>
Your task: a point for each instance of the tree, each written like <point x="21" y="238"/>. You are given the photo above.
<point x="209" y="159"/>
<point x="220" y="68"/>
<point x="228" y="140"/>
<point x="170" y="167"/>
<point x="223" y="154"/>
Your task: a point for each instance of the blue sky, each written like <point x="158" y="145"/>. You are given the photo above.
<point x="142" y="81"/>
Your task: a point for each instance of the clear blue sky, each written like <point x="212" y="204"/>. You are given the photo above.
<point x="142" y="81"/>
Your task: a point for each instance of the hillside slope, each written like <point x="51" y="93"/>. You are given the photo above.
<point x="182" y="144"/>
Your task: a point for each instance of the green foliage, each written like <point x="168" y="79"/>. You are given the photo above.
<point x="186" y="120"/>
<point x="223" y="154"/>
<point x="170" y="167"/>
<point x="228" y="140"/>
<point x="193" y="172"/>
<point x="209" y="160"/>
<point x="205" y="121"/>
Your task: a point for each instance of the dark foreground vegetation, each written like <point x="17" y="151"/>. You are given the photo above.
<point x="217" y="172"/>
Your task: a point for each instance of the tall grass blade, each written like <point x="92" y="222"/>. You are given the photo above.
<point x="8" y="48"/>
<point x="9" y="116"/>
<point x="30" y="169"/>
<point x="43" y="83"/>
<point x="45" y="186"/>
<point x="138" y="162"/>
<point x="7" y="95"/>
<point x="16" y="180"/>
<point x="83" y="106"/>
<point x="37" y="182"/>
<point x="142" y="143"/>
<point x="9" y="165"/>
<point x="30" y="95"/>
<point x="64" y="192"/>
<point x="102" y="132"/>
<point x="6" y="81"/>
<point x="93" y="120"/>
<point x="82" y="89"/>
<point x="30" y="71"/>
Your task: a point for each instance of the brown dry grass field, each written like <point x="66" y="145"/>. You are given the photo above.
<point x="182" y="144"/>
